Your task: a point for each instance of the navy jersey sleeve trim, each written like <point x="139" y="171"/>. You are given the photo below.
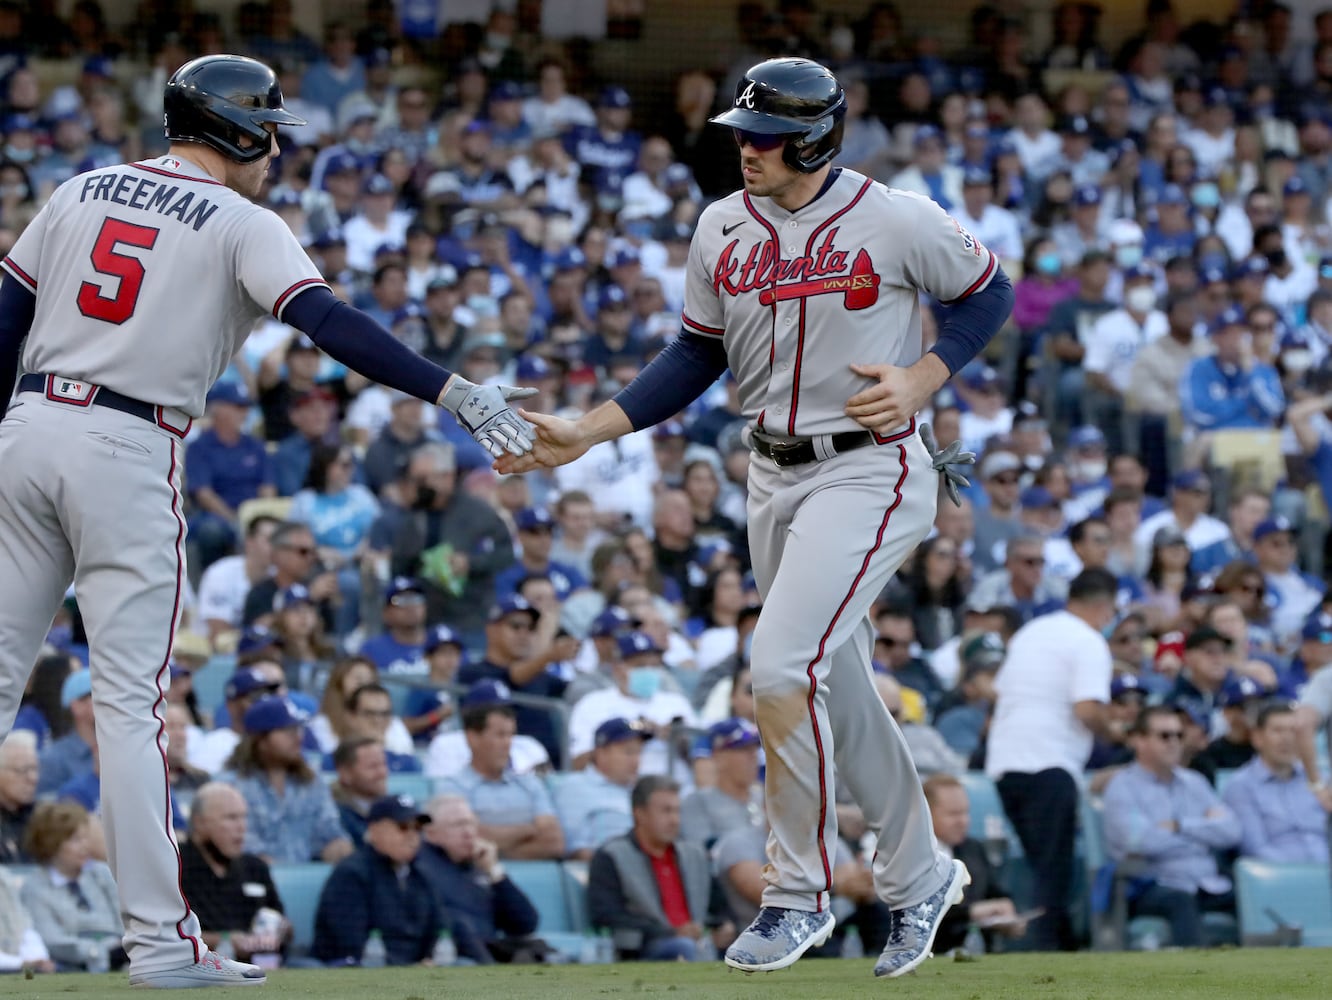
<point x="675" y="378"/>
<point x="971" y="322"/>
<point x="17" y="306"/>
<point x="353" y="338"/>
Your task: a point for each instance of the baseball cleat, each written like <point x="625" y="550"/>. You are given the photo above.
<point x="211" y="970"/>
<point x="778" y="937"/>
<point x="911" y="930"/>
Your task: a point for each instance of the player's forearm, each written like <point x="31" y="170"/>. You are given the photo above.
<point x="604" y="423"/>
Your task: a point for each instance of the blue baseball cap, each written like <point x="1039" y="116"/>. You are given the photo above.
<point x="677" y="174"/>
<point x="1192" y="479"/>
<point x="1318" y="626"/>
<point x="622" y="256"/>
<point x="255" y="638"/>
<point x="284" y="198"/>
<point x="1252" y="267"/>
<point x="1190" y="711"/>
<point x="441" y="635"/>
<point x="610" y="622"/>
<point x="297" y="593"/>
<point x="977" y="177"/>
<point x="1212" y="276"/>
<point x="534" y="519"/>
<point x="1126" y="684"/>
<point x="77" y="685"/>
<point x="232" y="393"/>
<point x="1230" y="316"/>
<point x="487" y="692"/>
<point x="618" y="730"/>
<point x="612" y="297"/>
<point x="98" y="66"/>
<point x="1087" y="194"/>
<point x="1215" y="97"/>
<point x="18" y="122"/>
<point x="733" y="734"/>
<point x="636" y="644"/>
<point x="274" y="712"/>
<point x="1294" y="185"/>
<point x="1086" y="436"/>
<point x="1172" y="194"/>
<point x="983" y="377"/>
<point x="926" y="133"/>
<point x="614" y="97"/>
<point x="341" y="163"/>
<point x="1142" y="271"/>
<point x="531" y="367"/>
<point x="400" y="585"/>
<point x="506" y="90"/>
<point x="244" y="681"/>
<point x="1272" y="526"/>
<point x="1074" y="125"/>
<point x="1238" y="690"/>
<point x="1037" y="498"/>
<point x="401" y="809"/>
<point x="668" y="429"/>
<point x="570" y="259"/>
<point x="512" y="604"/>
<point x="377" y="184"/>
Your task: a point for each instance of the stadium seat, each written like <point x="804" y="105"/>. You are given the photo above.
<point x="988" y="819"/>
<point x="418" y="786"/>
<point x="1269" y="896"/>
<point x="561" y="914"/>
<point x="299" y="886"/>
<point x="210" y="680"/>
<point x="1223" y="776"/>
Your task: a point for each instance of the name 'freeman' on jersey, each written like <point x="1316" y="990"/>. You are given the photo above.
<point x="148" y="195"/>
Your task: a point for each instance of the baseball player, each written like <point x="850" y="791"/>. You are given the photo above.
<point x="807" y="283"/>
<point x="134" y="287"/>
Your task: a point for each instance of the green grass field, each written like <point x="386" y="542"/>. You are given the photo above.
<point x="1216" y="975"/>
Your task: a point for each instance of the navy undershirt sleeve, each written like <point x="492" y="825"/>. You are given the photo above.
<point x="353" y="338"/>
<point x="968" y="325"/>
<point x="675" y="378"/>
<point x="17" y="306"/>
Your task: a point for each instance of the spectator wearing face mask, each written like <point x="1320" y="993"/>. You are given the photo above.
<point x="1115" y="341"/>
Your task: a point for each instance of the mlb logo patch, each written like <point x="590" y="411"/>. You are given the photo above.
<point x="69" y="390"/>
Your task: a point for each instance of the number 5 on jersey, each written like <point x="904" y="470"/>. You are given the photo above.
<point x="106" y="260"/>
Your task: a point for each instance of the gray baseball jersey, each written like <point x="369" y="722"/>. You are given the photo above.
<point x="147" y="277"/>
<point x="800" y="296"/>
<point x="152" y="260"/>
<point x="797" y="297"/>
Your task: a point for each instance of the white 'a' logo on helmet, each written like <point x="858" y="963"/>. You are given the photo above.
<point x="746" y="97"/>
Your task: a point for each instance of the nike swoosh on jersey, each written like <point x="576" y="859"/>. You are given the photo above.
<point x="727" y="230"/>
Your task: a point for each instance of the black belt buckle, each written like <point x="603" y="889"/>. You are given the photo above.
<point x="785" y="454"/>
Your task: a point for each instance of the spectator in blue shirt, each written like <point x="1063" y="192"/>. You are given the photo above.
<point x="1204" y="674"/>
<point x="1248" y="508"/>
<point x="1292" y="595"/>
<point x="379" y="887"/>
<point x="400" y="649"/>
<point x="72" y="754"/>
<point x="426" y="708"/>
<point x="1281" y="819"/>
<point x="1230" y="389"/>
<point x="593" y="803"/>
<point x="338" y="75"/>
<point x="312" y="414"/>
<point x="536" y="536"/>
<point x="224" y="467"/>
<point x="1170" y="817"/>
<point x="609" y="146"/>
<point x="963" y="726"/>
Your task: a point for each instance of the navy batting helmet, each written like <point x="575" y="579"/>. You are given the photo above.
<point x="797" y="98"/>
<point x="217" y="100"/>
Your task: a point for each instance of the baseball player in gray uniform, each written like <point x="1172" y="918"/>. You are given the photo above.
<point x="134" y="286"/>
<point x="807" y="285"/>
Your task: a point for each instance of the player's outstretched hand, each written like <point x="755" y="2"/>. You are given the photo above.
<point x="895" y="398"/>
<point x="944" y="463"/>
<point x="484" y="412"/>
<point x="558" y="442"/>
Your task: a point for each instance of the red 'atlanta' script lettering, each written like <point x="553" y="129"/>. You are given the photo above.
<point x="762" y="268"/>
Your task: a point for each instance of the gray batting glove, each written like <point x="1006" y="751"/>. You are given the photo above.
<point x="943" y="462"/>
<point x="484" y="412"/>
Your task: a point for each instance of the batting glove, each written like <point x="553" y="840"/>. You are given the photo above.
<point x="484" y="412"/>
<point x="943" y="462"/>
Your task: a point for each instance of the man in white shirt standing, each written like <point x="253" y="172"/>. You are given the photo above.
<point x="1052" y="692"/>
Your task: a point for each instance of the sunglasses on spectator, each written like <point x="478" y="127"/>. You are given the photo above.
<point x="762" y="142"/>
<point x="1168" y="735"/>
<point x="1032" y="560"/>
<point x="889" y="641"/>
<point x="300" y="550"/>
<point x="1005" y="480"/>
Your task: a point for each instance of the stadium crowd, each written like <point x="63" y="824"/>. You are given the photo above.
<point x="562" y="659"/>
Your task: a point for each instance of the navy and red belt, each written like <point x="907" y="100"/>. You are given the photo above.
<point x="75" y="392"/>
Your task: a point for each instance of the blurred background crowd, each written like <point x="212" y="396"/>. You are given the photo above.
<point x="371" y="601"/>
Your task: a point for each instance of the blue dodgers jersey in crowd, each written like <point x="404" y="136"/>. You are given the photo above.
<point x="395" y="659"/>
